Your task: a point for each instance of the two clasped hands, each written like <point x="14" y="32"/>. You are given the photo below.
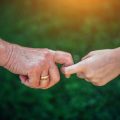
<point x="37" y="68"/>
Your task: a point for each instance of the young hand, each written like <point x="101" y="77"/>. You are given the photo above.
<point x="98" y="67"/>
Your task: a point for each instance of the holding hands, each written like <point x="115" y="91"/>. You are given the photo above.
<point x="37" y="68"/>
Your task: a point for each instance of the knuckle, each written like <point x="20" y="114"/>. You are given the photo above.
<point x="98" y="84"/>
<point x="47" y="53"/>
<point x="68" y="55"/>
<point x="43" y="59"/>
<point x="89" y="76"/>
<point x="42" y="63"/>
<point x="47" y="57"/>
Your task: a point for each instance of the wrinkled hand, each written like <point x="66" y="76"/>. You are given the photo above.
<point x="32" y="64"/>
<point x="98" y="67"/>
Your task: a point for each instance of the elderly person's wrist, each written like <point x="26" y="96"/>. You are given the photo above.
<point x="6" y="50"/>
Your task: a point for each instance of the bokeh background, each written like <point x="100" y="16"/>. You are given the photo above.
<point x="76" y="26"/>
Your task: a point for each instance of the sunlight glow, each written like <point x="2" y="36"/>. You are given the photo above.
<point x="78" y="5"/>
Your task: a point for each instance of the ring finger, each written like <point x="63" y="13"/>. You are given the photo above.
<point x="44" y="79"/>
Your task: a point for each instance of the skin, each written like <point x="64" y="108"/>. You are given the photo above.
<point x="31" y="64"/>
<point x="98" y="67"/>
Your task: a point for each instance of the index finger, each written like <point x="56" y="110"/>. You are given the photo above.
<point x="65" y="59"/>
<point x="79" y="67"/>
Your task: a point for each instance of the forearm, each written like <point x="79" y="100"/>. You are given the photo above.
<point x="5" y="52"/>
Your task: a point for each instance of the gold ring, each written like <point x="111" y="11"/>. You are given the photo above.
<point x="44" y="78"/>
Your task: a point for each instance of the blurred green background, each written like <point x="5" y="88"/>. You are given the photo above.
<point x="76" y="26"/>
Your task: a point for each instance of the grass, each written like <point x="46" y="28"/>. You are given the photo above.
<point x="73" y="98"/>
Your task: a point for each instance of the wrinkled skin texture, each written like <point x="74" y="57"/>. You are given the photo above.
<point x="31" y="64"/>
<point x="98" y="67"/>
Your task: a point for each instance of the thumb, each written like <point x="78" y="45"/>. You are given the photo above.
<point x="64" y="58"/>
<point x="77" y="68"/>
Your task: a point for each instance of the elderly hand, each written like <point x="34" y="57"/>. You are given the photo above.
<point x="37" y="67"/>
<point x="98" y="67"/>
